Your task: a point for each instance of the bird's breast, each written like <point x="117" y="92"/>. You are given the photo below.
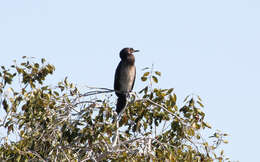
<point x="127" y="77"/>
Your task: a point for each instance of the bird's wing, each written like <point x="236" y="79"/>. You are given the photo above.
<point x="117" y="85"/>
<point x="134" y="79"/>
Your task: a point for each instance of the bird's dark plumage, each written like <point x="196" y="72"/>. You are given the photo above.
<point x="124" y="77"/>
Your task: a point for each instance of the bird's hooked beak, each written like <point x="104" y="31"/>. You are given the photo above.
<point x="131" y="50"/>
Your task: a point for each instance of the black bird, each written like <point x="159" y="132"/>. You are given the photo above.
<point x="124" y="77"/>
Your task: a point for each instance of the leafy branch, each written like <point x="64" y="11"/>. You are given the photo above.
<point x="67" y="123"/>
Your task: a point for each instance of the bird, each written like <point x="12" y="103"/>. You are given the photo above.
<point x="124" y="77"/>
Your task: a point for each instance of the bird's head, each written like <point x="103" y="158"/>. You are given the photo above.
<point x="126" y="52"/>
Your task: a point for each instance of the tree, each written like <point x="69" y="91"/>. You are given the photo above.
<point x="65" y="123"/>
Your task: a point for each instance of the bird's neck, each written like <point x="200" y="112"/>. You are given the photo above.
<point x="130" y="59"/>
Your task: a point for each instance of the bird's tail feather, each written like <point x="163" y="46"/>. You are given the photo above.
<point x="121" y="103"/>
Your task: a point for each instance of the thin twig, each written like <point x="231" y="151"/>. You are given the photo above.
<point x="156" y="104"/>
<point x="36" y="154"/>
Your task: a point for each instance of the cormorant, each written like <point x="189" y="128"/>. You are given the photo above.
<point x="124" y="77"/>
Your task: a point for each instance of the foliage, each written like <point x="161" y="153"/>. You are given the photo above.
<point x="61" y="123"/>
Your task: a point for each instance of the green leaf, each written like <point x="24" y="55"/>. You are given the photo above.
<point x="174" y="98"/>
<point x="143" y="78"/>
<point x="66" y="81"/>
<point x="43" y="60"/>
<point x="170" y="90"/>
<point x="225" y="141"/>
<point x="146" y="74"/>
<point x="36" y="65"/>
<point x="191" y="132"/>
<point x="199" y="99"/>
<point x="145" y="68"/>
<point x="200" y="103"/>
<point x="186" y="98"/>
<point x="56" y="93"/>
<point x="196" y="126"/>
<point x="199" y="111"/>
<point x="207" y="125"/>
<point x="18" y="158"/>
<point x="155" y="79"/>
<point x="5" y="105"/>
<point x="158" y="73"/>
<point x="10" y="128"/>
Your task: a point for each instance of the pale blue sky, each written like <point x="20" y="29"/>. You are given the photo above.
<point x="207" y="47"/>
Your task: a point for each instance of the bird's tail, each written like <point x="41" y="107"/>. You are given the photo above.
<point x="121" y="103"/>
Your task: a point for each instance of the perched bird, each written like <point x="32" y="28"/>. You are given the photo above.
<point x="124" y="77"/>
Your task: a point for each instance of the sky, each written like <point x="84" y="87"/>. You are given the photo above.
<point x="210" y="48"/>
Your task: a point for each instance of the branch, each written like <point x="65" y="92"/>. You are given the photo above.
<point x="35" y="153"/>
